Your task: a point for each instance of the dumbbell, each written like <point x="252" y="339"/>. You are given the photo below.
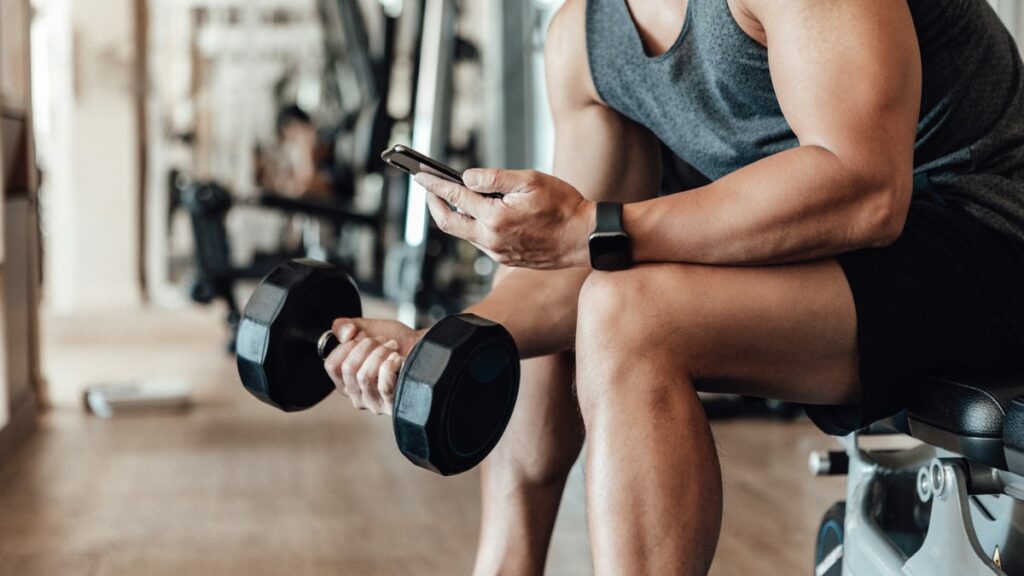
<point x="454" y="395"/>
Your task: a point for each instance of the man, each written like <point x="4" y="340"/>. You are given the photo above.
<point x="300" y="164"/>
<point x="864" y="227"/>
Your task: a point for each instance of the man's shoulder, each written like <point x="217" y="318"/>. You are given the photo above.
<point x="565" y="53"/>
<point x="568" y="27"/>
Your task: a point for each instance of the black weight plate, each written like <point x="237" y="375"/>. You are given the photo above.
<point x="291" y="308"/>
<point x="456" y="394"/>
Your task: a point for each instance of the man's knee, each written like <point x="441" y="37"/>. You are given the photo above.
<point x="610" y="305"/>
<point x="628" y="308"/>
<point x="621" y="318"/>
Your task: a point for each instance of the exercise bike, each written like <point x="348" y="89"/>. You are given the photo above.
<point x="949" y="502"/>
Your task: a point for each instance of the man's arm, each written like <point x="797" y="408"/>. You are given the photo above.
<point x="604" y="155"/>
<point x="848" y="79"/>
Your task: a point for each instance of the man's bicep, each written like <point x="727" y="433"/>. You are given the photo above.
<point x="600" y="152"/>
<point x="847" y="74"/>
<point x="607" y="157"/>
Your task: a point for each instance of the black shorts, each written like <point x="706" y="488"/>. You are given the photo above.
<point x="947" y="296"/>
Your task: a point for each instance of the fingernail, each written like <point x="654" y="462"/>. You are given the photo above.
<point x="391" y="344"/>
<point x="346" y="332"/>
<point x="471" y="178"/>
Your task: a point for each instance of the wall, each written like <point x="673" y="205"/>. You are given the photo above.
<point x="19" y="351"/>
<point x="92" y="197"/>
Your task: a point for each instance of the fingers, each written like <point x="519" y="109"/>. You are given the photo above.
<point x="369" y="373"/>
<point x="345" y="328"/>
<point x="365" y="370"/>
<point x="486" y="180"/>
<point x="387" y="380"/>
<point x="461" y="197"/>
<point x="350" y="371"/>
<point x="450" y="222"/>
<point x="335" y="362"/>
<point x="376" y="328"/>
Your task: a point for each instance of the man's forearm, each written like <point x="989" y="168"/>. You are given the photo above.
<point x="537" y="307"/>
<point x="797" y="205"/>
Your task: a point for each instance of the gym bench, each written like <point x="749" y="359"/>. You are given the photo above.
<point x="952" y="504"/>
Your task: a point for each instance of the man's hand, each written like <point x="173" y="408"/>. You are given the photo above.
<point x="369" y="356"/>
<point x="538" y="222"/>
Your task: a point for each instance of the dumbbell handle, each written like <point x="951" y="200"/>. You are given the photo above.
<point x="326" y="343"/>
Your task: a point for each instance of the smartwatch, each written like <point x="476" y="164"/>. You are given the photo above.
<point x="610" y="247"/>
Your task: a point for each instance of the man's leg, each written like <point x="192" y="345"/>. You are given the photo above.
<point x="647" y="338"/>
<point x="523" y="478"/>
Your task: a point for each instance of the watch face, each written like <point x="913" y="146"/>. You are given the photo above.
<point x="610" y="251"/>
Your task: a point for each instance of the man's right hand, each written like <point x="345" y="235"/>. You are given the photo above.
<point x="365" y="364"/>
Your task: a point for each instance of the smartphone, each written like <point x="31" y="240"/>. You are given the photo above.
<point x="412" y="162"/>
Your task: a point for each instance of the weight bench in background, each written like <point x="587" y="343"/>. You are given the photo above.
<point x="954" y="504"/>
<point x="216" y="276"/>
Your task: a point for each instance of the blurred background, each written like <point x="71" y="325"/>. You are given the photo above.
<point x="157" y="158"/>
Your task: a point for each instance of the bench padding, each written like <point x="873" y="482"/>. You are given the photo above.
<point x="966" y="414"/>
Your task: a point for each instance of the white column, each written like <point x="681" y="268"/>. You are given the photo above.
<point x="91" y="194"/>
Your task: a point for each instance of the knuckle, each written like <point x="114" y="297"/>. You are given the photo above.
<point x="331" y="364"/>
<point x="366" y="378"/>
<point x="348" y="368"/>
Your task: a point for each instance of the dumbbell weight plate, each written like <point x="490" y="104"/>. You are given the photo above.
<point x="277" y="337"/>
<point x="456" y="393"/>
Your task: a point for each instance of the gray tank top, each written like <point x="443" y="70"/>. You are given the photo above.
<point x="709" y="98"/>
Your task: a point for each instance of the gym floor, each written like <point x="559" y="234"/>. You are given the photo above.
<point x="234" y="487"/>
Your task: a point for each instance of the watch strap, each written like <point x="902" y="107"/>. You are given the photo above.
<point x="608" y="217"/>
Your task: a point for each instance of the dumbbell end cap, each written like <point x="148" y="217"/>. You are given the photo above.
<point x="456" y="394"/>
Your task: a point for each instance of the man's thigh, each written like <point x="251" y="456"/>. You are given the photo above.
<point x="786" y="332"/>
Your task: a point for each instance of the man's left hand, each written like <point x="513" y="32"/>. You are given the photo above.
<point x="538" y="221"/>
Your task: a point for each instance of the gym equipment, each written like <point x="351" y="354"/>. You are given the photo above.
<point x="727" y="406"/>
<point x="453" y="398"/>
<point x="208" y="204"/>
<point x="428" y="251"/>
<point x="949" y="503"/>
<point x="357" y="84"/>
